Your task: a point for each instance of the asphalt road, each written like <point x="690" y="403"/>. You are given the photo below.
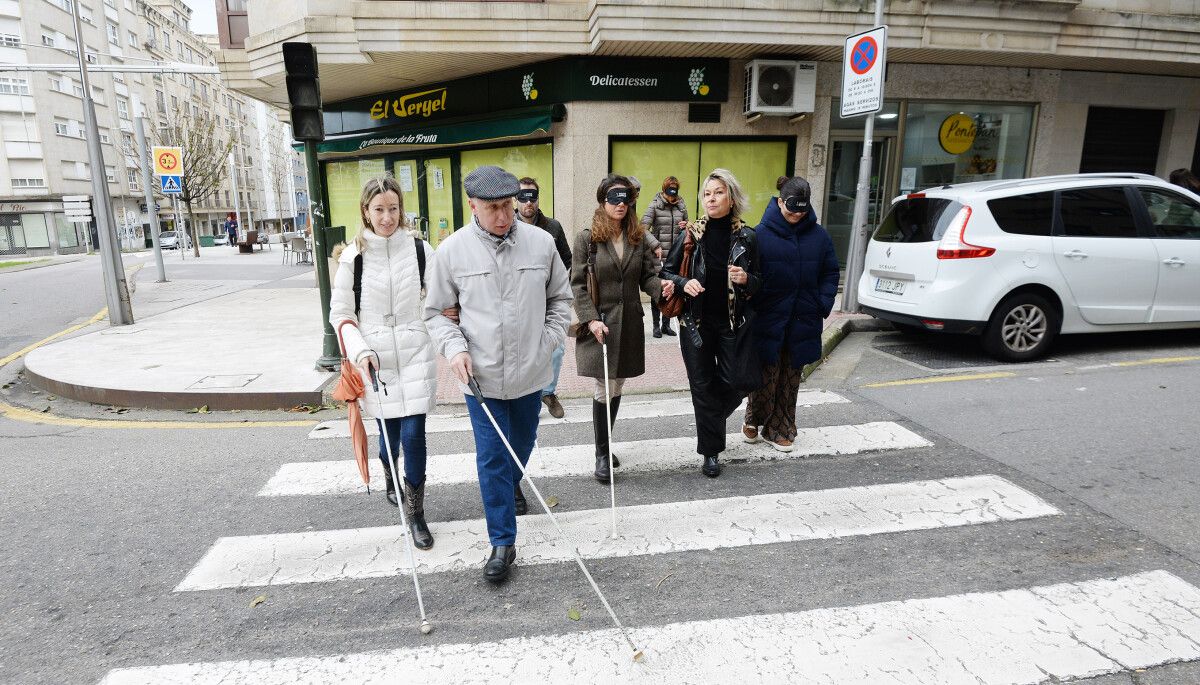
<point x="101" y="525"/>
<point x="41" y="301"/>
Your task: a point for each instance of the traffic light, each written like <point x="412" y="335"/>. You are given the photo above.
<point x="304" y="91"/>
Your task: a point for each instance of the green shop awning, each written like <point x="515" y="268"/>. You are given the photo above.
<point x="447" y="133"/>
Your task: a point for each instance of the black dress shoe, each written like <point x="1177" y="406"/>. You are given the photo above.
<point x="666" y="329"/>
<point x="522" y="505"/>
<point x="711" y="467"/>
<point x="496" y="568"/>
<point x="657" y="332"/>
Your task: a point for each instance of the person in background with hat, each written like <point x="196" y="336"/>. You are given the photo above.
<point x="514" y="304"/>
<point x="529" y="212"/>
<point x="799" y="282"/>
<point x="664" y="219"/>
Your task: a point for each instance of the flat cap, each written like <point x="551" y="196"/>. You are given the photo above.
<point x="490" y="183"/>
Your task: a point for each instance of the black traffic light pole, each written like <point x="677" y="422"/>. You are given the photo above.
<point x="304" y="96"/>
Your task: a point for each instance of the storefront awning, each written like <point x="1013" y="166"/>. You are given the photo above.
<point x="527" y="123"/>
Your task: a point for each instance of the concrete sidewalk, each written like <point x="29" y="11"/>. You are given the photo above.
<point x="234" y="331"/>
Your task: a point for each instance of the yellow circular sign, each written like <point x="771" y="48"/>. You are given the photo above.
<point x="957" y="133"/>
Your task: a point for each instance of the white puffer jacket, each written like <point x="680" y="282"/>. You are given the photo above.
<point x="389" y="322"/>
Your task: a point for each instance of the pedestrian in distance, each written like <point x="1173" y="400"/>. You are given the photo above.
<point x="665" y="218"/>
<point x="529" y="211"/>
<point x="624" y="266"/>
<point x="513" y="300"/>
<point x="379" y="289"/>
<point x="722" y="278"/>
<point x="799" y="283"/>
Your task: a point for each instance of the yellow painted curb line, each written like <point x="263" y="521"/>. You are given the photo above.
<point x="944" y="379"/>
<point x="31" y="416"/>
<point x="1157" y="360"/>
<point x="29" y="348"/>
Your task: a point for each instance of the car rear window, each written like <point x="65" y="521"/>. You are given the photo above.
<point x="1028" y="214"/>
<point x="916" y="220"/>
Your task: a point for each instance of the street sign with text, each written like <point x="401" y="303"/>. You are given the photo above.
<point x="863" y="58"/>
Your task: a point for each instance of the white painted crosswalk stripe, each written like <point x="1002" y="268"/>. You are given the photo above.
<point x="630" y="409"/>
<point x="341" y="477"/>
<point x="323" y="556"/>
<point x="1014" y="637"/>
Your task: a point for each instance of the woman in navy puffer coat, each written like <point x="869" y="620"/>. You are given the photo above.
<point x="799" y="282"/>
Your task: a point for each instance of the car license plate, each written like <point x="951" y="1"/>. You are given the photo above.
<point x="888" y="285"/>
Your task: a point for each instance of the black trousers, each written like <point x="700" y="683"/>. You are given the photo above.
<point x="712" y="398"/>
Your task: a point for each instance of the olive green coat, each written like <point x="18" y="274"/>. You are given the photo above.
<point x="621" y="303"/>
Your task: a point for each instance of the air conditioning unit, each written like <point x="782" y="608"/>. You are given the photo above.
<point x="780" y="87"/>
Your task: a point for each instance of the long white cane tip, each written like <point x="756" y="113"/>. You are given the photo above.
<point x="427" y="628"/>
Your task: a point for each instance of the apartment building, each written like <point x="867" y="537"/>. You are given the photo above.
<point x="43" y="150"/>
<point x="569" y="90"/>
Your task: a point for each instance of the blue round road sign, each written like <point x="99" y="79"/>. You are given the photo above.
<point x="864" y="54"/>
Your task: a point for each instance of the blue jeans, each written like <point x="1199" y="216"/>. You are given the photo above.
<point x="556" y="358"/>
<point x="407" y="432"/>
<point x="498" y="475"/>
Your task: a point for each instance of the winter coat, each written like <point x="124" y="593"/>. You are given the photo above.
<point x="514" y="302"/>
<point x="621" y="303"/>
<point x="799" y="282"/>
<point x="662" y="219"/>
<point x="743" y="253"/>
<point x="389" y="322"/>
<point x="556" y="231"/>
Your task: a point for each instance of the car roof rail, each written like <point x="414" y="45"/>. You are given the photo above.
<point x="1018" y="183"/>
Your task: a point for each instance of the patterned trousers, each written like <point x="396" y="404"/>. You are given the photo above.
<point x="773" y="406"/>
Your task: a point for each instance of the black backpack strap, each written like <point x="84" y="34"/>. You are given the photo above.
<point x="357" y="283"/>
<point x="421" y="261"/>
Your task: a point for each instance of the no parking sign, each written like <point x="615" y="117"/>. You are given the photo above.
<point x="862" y="72"/>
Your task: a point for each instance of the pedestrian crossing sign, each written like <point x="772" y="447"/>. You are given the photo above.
<point x="172" y="184"/>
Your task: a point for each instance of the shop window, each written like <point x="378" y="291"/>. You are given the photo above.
<point x="535" y="161"/>
<point x="755" y="163"/>
<point x="67" y="236"/>
<point x="343" y="183"/>
<point x="960" y="143"/>
<point x="36" y="234"/>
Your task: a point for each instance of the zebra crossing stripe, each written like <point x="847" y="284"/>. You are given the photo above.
<point x="341" y="477"/>
<point x="640" y="409"/>
<point x="324" y="556"/>
<point x="1052" y="632"/>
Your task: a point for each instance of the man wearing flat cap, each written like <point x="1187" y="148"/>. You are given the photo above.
<point x="513" y="298"/>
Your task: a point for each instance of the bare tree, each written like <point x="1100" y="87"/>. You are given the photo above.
<point x="206" y="151"/>
<point x="279" y="166"/>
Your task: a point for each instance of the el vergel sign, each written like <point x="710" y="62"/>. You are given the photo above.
<point x="549" y="83"/>
<point x="423" y="104"/>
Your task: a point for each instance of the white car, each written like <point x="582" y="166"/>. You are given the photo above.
<point x="220" y="239"/>
<point x="168" y="240"/>
<point x="1020" y="261"/>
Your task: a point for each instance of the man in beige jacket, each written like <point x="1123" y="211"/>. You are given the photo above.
<point x="514" y="304"/>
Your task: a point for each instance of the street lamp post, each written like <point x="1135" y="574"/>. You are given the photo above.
<point x="120" y="312"/>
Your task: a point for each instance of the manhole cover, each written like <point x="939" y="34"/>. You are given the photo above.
<point x="942" y="355"/>
<point x="228" y="381"/>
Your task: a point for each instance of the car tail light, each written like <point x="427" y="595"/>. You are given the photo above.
<point x="933" y="324"/>
<point x="912" y="196"/>
<point x="954" y="244"/>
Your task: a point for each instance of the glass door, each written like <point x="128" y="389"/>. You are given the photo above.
<point x="12" y="236"/>
<point x="439" y="191"/>
<point x="842" y="188"/>
<point x="405" y="172"/>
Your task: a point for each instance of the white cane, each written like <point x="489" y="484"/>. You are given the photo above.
<point x="612" y="476"/>
<point x="478" y="393"/>
<point x="426" y="626"/>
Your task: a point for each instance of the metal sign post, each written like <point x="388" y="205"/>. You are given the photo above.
<point x="863" y="66"/>
<point x="139" y="128"/>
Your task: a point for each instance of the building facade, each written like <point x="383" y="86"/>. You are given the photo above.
<point x="43" y="148"/>
<point x="975" y="90"/>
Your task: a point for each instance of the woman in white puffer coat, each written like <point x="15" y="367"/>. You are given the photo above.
<point x="383" y="326"/>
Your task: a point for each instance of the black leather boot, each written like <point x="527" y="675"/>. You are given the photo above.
<point x="711" y="467"/>
<point x="666" y="327"/>
<point x="390" y="491"/>
<point x="522" y="505"/>
<point x="655" y="314"/>
<point x="414" y="511"/>
<point x="600" y="429"/>
<point x="496" y="568"/>
<point x="614" y="405"/>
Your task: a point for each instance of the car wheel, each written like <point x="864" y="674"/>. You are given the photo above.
<point x="1022" y="328"/>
